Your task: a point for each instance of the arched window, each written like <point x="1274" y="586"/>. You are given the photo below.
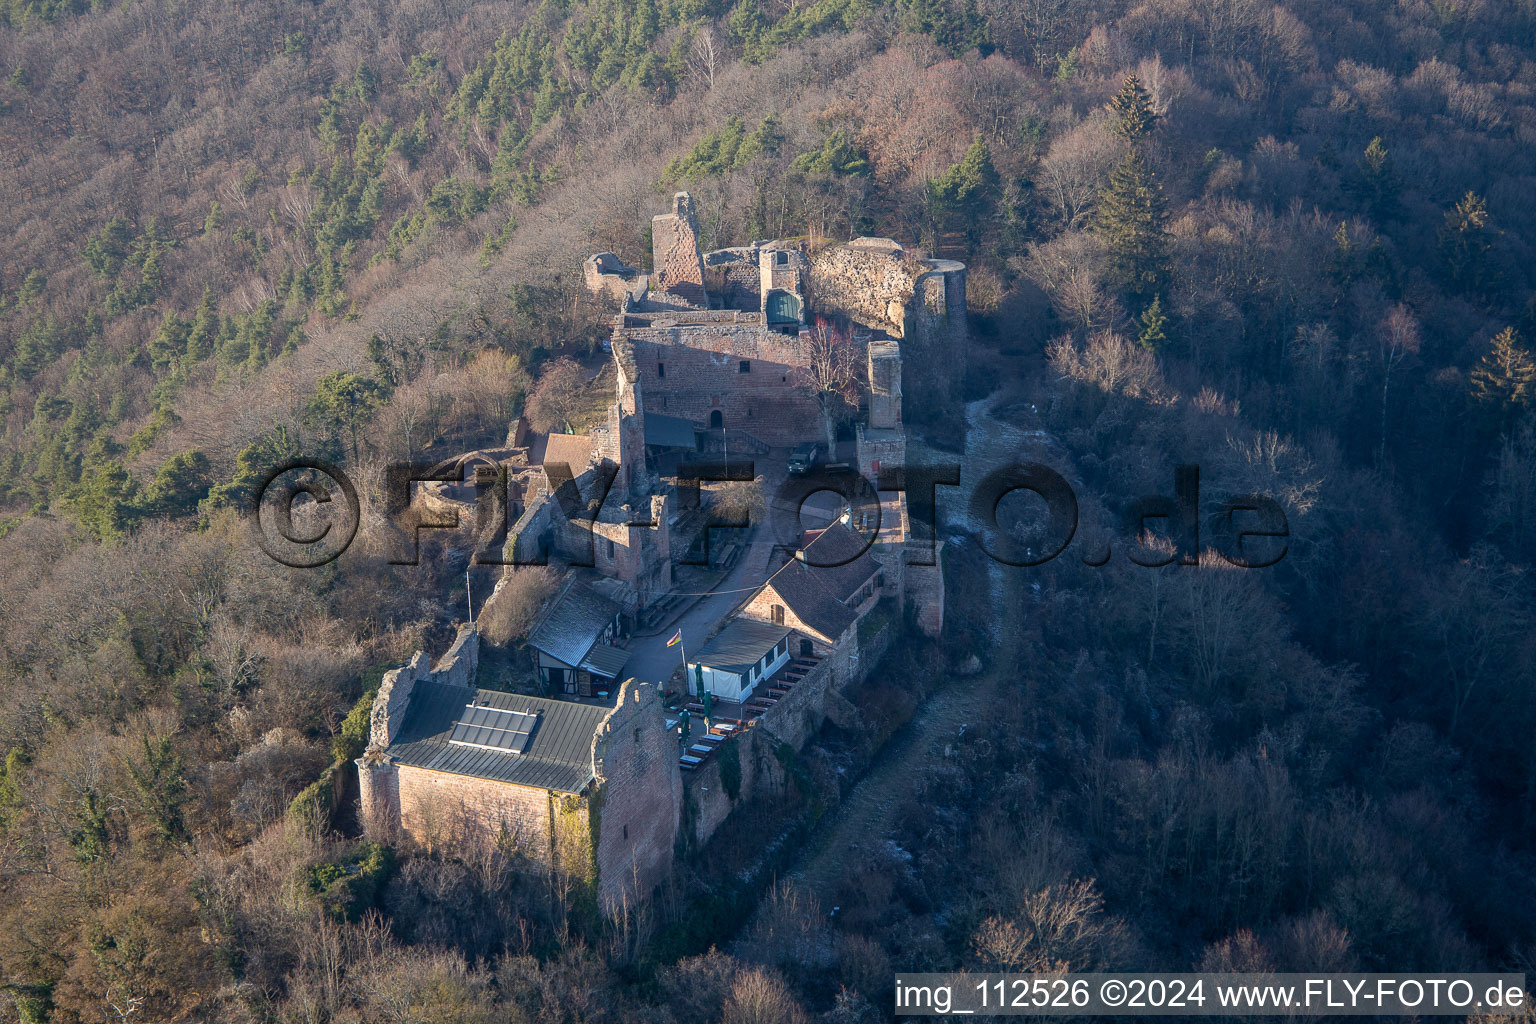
<point x="716" y="419"/>
<point x="776" y="613"/>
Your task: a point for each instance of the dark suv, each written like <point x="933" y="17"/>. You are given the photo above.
<point x="803" y="458"/>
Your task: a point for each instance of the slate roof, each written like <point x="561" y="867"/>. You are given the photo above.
<point x="817" y="592"/>
<point x="669" y="431"/>
<point x="573" y="623"/>
<point x="606" y="661"/>
<point x="558" y="755"/>
<point x="740" y="645"/>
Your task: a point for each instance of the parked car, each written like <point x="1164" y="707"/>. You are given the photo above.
<point x="804" y="458"/>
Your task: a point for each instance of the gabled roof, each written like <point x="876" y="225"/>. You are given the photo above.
<point x="817" y="593"/>
<point x="573" y="623"/>
<point x="740" y="645"/>
<point x="558" y="753"/>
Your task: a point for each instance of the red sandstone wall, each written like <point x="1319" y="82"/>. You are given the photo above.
<point x="440" y="811"/>
<point x="705" y="375"/>
<point x="641" y="798"/>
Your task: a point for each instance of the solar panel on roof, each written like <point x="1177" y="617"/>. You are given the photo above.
<point x="498" y="729"/>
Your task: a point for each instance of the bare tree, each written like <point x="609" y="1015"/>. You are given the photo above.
<point x="1109" y="362"/>
<point x="706" y="56"/>
<point x="1071" y="270"/>
<point x="1398" y="335"/>
<point x="831" y="377"/>
<point x="519" y="597"/>
<point x="559" y="396"/>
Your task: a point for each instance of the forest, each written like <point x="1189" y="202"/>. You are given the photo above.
<point x="1291" y="242"/>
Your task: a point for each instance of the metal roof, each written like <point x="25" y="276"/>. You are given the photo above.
<point x="573" y="623"/>
<point x="606" y="661"/>
<point x="557" y="754"/>
<point x="491" y="728"/>
<point x="669" y="431"/>
<point x="740" y="645"/>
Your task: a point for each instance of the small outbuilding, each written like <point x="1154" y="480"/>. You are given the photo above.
<point x="575" y="640"/>
<point x="740" y="656"/>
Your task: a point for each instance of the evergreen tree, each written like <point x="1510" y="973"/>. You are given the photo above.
<point x="965" y="190"/>
<point x="1505" y="378"/>
<point x="205" y="330"/>
<point x="162" y="789"/>
<point x="181" y="482"/>
<point x="1152" y="335"/>
<point x="344" y="401"/>
<point x="1465" y="243"/>
<point x="168" y="344"/>
<point x="1132" y="107"/>
<point x="101" y="502"/>
<point x="1132" y="219"/>
<point x="1375" y="180"/>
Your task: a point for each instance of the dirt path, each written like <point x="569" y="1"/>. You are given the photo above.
<point x="867" y="812"/>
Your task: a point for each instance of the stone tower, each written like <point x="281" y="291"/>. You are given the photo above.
<point x="937" y="345"/>
<point x="884" y="385"/>
<point x="678" y="267"/>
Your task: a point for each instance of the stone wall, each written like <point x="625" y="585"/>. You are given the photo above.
<point x="610" y="277"/>
<point x="679" y="271"/>
<point x="457" y="668"/>
<point x="938" y="344"/>
<point x="868" y="281"/>
<point x="694" y="371"/>
<point x="732" y="277"/>
<point x="884" y="372"/>
<point x="445" y="811"/>
<point x="878" y="451"/>
<point x="793" y="720"/>
<point x="641" y="798"/>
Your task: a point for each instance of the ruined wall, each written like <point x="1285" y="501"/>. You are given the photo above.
<point x="879" y="450"/>
<point x="868" y="281"/>
<point x="609" y="277"/>
<point x="732" y="277"/>
<point x="640" y="555"/>
<point x="793" y="721"/>
<point x="938" y="344"/>
<point x="711" y="802"/>
<point x="378" y="797"/>
<point x="457" y="667"/>
<point x="694" y="371"/>
<point x="640" y="803"/>
<point x="379" y="786"/>
<point x="445" y="811"/>
<point x="883" y="367"/>
<point x="679" y="270"/>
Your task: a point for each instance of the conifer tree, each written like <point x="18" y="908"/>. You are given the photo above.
<point x="1153" y="320"/>
<point x="1465" y="242"/>
<point x="1132" y="219"/>
<point x="1132" y="107"/>
<point x="1376" y="182"/>
<point x="1505" y="378"/>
